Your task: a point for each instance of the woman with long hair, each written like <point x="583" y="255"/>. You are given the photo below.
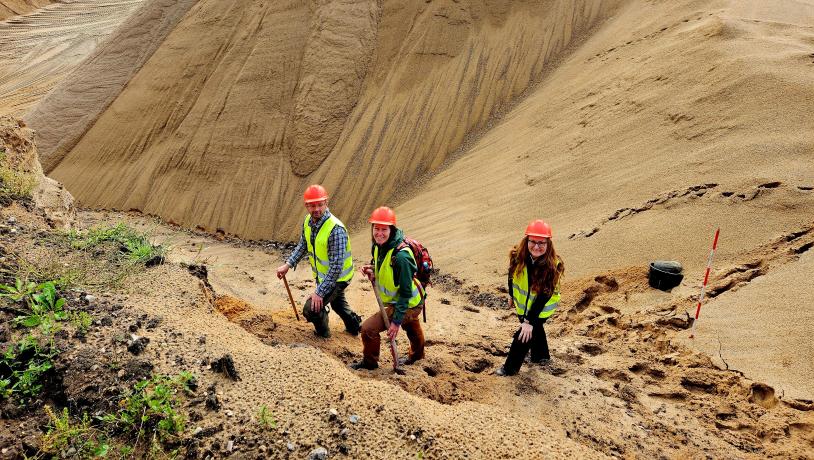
<point x="535" y="270"/>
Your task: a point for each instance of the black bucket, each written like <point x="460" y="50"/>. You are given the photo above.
<point x="665" y="274"/>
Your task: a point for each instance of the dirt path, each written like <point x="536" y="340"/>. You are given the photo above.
<point x="621" y="382"/>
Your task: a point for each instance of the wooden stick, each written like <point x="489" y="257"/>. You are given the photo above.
<point x="393" y="348"/>
<point x="290" y="297"/>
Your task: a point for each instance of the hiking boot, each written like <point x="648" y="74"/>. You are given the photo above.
<point x="355" y="329"/>
<point x="407" y="361"/>
<point x="501" y="372"/>
<point x="363" y="365"/>
<point x="326" y="334"/>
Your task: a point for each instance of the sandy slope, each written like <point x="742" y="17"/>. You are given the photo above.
<point x="241" y="106"/>
<point x="622" y="384"/>
<point x="9" y="8"/>
<point x="636" y="148"/>
<point x="39" y="49"/>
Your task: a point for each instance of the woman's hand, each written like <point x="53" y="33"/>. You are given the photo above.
<point x="367" y="270"/>
<point x="525" y="332"/>
<point x="393" y="331"/>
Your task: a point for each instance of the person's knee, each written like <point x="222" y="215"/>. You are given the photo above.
<point x="309" y="314"/>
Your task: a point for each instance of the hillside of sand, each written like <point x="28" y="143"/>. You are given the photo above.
<point x="10" y="8"/>
<point x="244" y="104"/>
<point x="635" y="127"/>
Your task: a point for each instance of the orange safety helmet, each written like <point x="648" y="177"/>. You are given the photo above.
<point x="383" y="215"/>
<point x="540" y="228"/>
<point x="314" y="194"/>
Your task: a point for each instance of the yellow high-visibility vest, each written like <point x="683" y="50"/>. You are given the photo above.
<point x="388" y="291"/>
<point x="318" y="252"/>
<point x="523" y="299"/>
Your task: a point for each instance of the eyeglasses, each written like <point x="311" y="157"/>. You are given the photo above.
<point x="538" y="243"/>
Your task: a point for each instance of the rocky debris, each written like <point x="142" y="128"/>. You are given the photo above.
<point x="332" y="414"/>
<point x="320" y="453"/>
<point x="591" y="348"/>
<point x="354" y="419"/>
<point x="137" y="344"/>
<point x="212" y="402"/>
<point x="225" y="365"/>
<point x="153" y="323"/>
<point x="763" y="395"/>
<point x="291" y="446"/>
<point x="202" y="273"/>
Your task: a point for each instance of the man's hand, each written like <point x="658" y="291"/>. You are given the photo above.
<point x="282" y="270"/>
<point x="525" y="332"/>
<point x="367" y="270"/>
<point x="393" y="331"/>
<point x="316" y="303"/>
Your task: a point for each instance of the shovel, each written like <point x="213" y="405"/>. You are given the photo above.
<point x="393" y="348"/>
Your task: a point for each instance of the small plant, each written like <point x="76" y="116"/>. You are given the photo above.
<point x="149" y="409"/>
<point x="23" y="367"/>
<point x="85" y="439"/>
<point x="81" y="321"/>
<point x="45" y="307"/>
<point x="265" y="418"/>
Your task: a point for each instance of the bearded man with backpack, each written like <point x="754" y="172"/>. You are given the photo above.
<point x="394" y="269"/>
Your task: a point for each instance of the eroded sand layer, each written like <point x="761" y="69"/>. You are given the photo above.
<point x="39" y="49"/>
<point x="243" y="104"/>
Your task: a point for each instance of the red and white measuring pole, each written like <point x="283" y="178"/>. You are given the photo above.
<point x="706" y="278"/>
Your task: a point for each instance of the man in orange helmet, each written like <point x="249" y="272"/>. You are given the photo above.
<point x="325" y="240"/>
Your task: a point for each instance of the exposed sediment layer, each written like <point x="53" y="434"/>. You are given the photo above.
<point x="244" y="104"/>
<point x="10" y="8"/>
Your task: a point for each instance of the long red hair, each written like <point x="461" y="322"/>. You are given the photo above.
<point x="544" y="273"/>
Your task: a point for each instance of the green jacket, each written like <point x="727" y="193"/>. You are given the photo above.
<point x="404" y="269"/>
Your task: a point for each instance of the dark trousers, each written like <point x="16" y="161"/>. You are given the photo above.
<point x="374" y="326"/>
<point x="517" y="353"/>
<point x="338" y="303"/>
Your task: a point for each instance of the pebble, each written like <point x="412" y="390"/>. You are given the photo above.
<point x="332" y="413"/>
<point x="230" y="446"/>
<point x="12" y="220"/>
<point x="291" y="446"/>
<point x="354" y="418"/>
<point x="229" y="413"/>
<point x="320" y="453"/>
<point x="197" y="430"/>
<point x="412" y="437"/>
<point x="120" y="374"/>
<point x="70" y="452"/>
<point x="90" y="298"/>
<point x="262" y="447"/>
<point x="344" y="433"/>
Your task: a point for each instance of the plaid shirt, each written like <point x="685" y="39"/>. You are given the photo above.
<point x="337" y="241"/>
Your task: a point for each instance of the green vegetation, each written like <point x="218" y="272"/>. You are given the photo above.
<point x="14" y="184"/>
<point x="25" y="362"/>
<point x="86" y="440"/>
<point x="265" y="418"/>
<point x="148" y="411"/>
<point x="133" y="245"/>
<point x="45" y="308"/>
<point x="147" y="417"/>
<point x="23" y="367"/>
<point x="81" y="321"/>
